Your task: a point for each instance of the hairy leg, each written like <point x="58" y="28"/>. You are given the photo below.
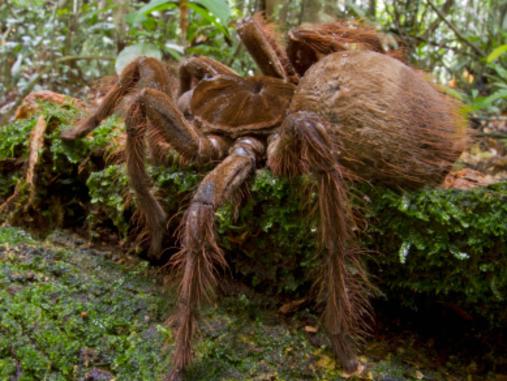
<point x="154" y="113"/>
<point x="200" y="253"/>
<point x="261" y="42"/>
<point x="304" y="146"/>
<point x="196" y="68"/>
<point x="144" y="72"/>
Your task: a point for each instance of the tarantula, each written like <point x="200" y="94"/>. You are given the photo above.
<point x="333" y="104"/>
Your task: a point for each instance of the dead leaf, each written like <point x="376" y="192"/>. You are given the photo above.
<point x="291" y="306"/>
<point x="311" y="329"/>
<point x="466" y="179"/>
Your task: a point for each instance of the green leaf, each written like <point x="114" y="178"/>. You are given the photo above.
<point x="502" y="72"/>
<point x="452" y="92"/>
<point x="219" y="8"/>
<point x="175" y="50"/>
<point x="403" y="251"/>
<point x="484" y="102"/>
<point x="208" y="16"/>
<point x="152" y="6"/>
<point x="156" y="5"/>
<point x="496" y="53"/>
<point x="132" y="52"/>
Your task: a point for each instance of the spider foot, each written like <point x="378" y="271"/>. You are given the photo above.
<point x="353" y="370"/>
<point x="69" y="135"/>
<point x="174" y="375"/>
<point x="156" y="248"/>
<point x="80" y="130"/>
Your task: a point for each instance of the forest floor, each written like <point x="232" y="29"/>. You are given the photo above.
<point x="71" y="312"/>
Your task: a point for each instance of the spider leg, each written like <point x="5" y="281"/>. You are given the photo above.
<point x="261" y="42"/>
<point x="200" y="254"/>
<point x="154" y="113"/>
<point x="195" y="69"/>
<point x="144" y="72"/>
<point x="304" y="145"/>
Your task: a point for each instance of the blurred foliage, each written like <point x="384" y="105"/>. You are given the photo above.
<point x="437" y="246"/>
<point x="453" y="39"/>
<point x="63" y="44"/>
<point x="37" y="34"/>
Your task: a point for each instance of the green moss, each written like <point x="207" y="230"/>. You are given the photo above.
<point x="13" y="138"/>
<point x="14" y="236"/>
<point x="108" y="190"/>
<point x="444" y="245"/>
<point x="67" y="312"/>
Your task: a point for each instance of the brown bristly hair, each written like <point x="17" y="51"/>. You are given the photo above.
<point x="275" y="41"/>
<point x="196" y="265"/>
<point x="125" y="84"/>
<point x="393" y="124"/>
<point x="308" y="43"/>
<point x="260" y="39"/>
<point x="341" y="280"/>
<point x="151" y="213"/>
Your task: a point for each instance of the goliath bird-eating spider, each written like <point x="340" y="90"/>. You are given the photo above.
<point x="333" y="104"/>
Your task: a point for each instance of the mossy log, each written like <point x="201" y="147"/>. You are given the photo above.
<point x="441" y="245"/>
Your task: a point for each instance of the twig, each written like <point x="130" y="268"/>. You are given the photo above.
<point x="434" y="25"/>
<point x="437" y="44"/>
<point x="456" y="31"/>
<point x="84" y="58"/>
<point x="492" y="135"/>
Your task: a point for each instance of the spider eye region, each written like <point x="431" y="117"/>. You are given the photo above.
<point x="257" y="87"/>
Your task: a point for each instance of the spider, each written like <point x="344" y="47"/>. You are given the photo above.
<point x="334" y="105"/>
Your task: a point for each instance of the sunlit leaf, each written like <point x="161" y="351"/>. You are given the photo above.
<point x="208" y="16"/>
<point x="16" y="67"/>
<point x="156" y="5"/>
<point x="176" y="51"/>
<point x="152" y="6"/>
<point x="502" y="49"/>
<point x="480" y="103"/>
<point x="219" y="8"/>
<point x="130" y="53"/>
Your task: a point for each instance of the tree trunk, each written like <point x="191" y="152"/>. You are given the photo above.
<point x="120" y="10"/>
<point x="372" y="9"/>
<point x="272" y="7"/>
<point x="331" y="9"/>
<point x="310" y="11"/>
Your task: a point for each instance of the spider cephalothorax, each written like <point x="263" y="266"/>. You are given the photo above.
<point x="334" y="105"/>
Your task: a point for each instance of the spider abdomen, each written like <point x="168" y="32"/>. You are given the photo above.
<point x="389" y="122"/>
